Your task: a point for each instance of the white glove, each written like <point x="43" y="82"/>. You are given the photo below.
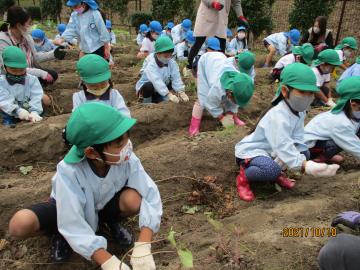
<point x="331" y="103"/>
<point x="184" y="96"/>
<point x="34" y="117"/>
<point x="320" y="169"/>
<point x="186" y="72"/>
<point x="141" y="258"/>
<point x="227" y="121"/>
<point x="23" y="114"/>
<point x="281" y="163"/>
<point x="114" y="264"/>
<point x="173" y="98"/>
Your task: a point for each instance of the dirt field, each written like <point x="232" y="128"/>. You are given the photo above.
<point x="190" y="172"/>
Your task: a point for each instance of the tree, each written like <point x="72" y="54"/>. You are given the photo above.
<point x="304" y="12"/>
<point x="52" y="8"/>
<point x="164" y="10"/>
<point x="117" y="6"/>
<point x="5" y="4"/>
<point x="258" y="12"/>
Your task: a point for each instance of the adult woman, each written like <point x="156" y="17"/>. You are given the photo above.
<point x="319" y="36"/>
<point x="15" y="32"/>
<point x="212" y="21"/>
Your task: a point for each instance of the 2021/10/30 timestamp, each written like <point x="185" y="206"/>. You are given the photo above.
<point x="308" y="232"/>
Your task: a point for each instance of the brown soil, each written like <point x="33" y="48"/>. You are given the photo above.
<point x="190" y="172"/>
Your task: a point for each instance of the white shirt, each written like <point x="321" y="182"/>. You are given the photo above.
<point x="321" y="79"/>
<point x="285" y="61"/>
<point x="147" y="46"/>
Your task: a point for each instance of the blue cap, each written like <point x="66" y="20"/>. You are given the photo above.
<point x="38" y="34"/>
<point x="186" y="24"/>
<point x="190" y="37"/>
<point x="143" y="28"/>
<point x="170" y="25"/>
<point x="214" y="44"/>
<point x="91" y="3"/>
<point x="229" y="33"/>
<point x="294" y="36"/>
<point x="61" y="28"/>
<point x="241" y="28"/>
<point x="156" y="27"/>
<point x="108" y="24"/>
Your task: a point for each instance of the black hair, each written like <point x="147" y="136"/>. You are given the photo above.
<point x="347" y="108"/>
<point x="148" y="35"/>
<point x="111" y="85"/>
<point x="15" y="15"/>
<point x="169" y="51"/>
<point x="322" y="21"/>
<point x="100" y="147"/>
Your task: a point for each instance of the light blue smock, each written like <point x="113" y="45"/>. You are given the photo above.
<point x="160" y="76"/>
<point x="17" y="96"/>
<point x="280" y="133"/>
<point x="180" y="50"/>
<point x="235" y="46"/>
<point x="210" y="93"/>
<point x="178" y="34"/>
<point x="47" y="46"/>
<point x="337" y="127"/>
<point x="353" y="70"/>
<point x="279" y="41"/>
<point x="80" y="194"/>
<point x="139" y="39"/>
<point x="115" y="100"/>
<point x="90" y="30"/>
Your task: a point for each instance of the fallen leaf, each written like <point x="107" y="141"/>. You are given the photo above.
<point x="186" y="258"/>
<point x="26" y="169"/>
<point x="171" y="237"/>
<point x="3" y="244"/>
<point x="190" y="210"/>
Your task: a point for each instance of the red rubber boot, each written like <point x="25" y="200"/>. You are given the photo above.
<point x="243" y="187"/>
<point x="285" y="182"/>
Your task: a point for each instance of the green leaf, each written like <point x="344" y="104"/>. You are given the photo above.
<point x="186" y="258"/>
<point x="277" y="187"/>
<point x="26" y="169"/>
<point x="171" y="237"/>
<point x="190" y="210"/>
<point x="216" y="224"/>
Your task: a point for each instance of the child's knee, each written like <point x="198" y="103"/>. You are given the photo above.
<point x="46" y="100"/>
<point x="23" y="223"/>
<point x="130" y="201"/>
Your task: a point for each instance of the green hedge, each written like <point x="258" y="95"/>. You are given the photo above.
<point x="139" y="17"/>
<point x="34" y="12"/>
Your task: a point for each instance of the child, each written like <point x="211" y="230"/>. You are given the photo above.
<point x="108" y="25"/>
<point x="302" y="54"/>
<point x="239" y="43"/>
<point x="346" y="49"/>
<point x="88" y="26"/>
<point x="148" y="43"/>
<point x="331" y="132"/>
<point x="20" y="93"/>
<point x="323" y="66"/>
<point x="161" y="76"/>
<point x="354" y="70"/>
<point x="278" y="140"/>
<point x="42" y="44"/>
<point x="244" y="62"/>
<point x="221" y="90"/>
<point x="99" y="182"/>
<point x="229" y="36"/>
<point x="61" y="29"/>
<point x="280" y="43"/>
<point x="143" y="30"/>
<point x="178" y="33"/>
<point x="182" y="49"/>
<point x="97" y="84"/>
<point x="168" y="28"/>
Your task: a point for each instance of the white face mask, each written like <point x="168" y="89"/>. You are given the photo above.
<point x="356" y="115"/>
<point x="154" y="36"/>
<point x="164" y="60"/>
<point x="98" y="92"/>
<point x="25" y="30"/>
<point x="241" y="35"/>
<point x="124" y="154"/>
<point x="347" y="53"/>
<point x="316" y="30"/>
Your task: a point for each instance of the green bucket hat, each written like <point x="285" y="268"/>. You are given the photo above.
<point x="94" y="123"/>
<point x="246" y="62"/>
<point x="348" y="42"/>
<point x="296" y="50"/>
<point x="240" y="84"/>
<point x="298" y="76"/>
<point x="14" y="57"/>
<point x="93" y="68"/>
<point x="307" y="52"/>
<point x="347" y="89"/>
<point x="328" y="56"/>
<point x="163" y="44"/>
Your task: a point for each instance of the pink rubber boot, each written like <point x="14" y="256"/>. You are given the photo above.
<point x="237" y="120"/>
<point x="194" y="128"/>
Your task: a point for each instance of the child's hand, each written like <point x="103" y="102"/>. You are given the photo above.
<point x="227" y="120"/>
<point x="173" y="98"/>
<point x="141" y="258"/>
<point x="34" y="117"/>
<point x="184" y="97"/>
<point x="320" y="169"/>
<point x="23" y="114"/>
<point x="217" y="6"/>
<point x="114" y="264"/>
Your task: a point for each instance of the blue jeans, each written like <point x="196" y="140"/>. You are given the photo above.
<point x="263" y="169"/>
<point x="7" y="119"/>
